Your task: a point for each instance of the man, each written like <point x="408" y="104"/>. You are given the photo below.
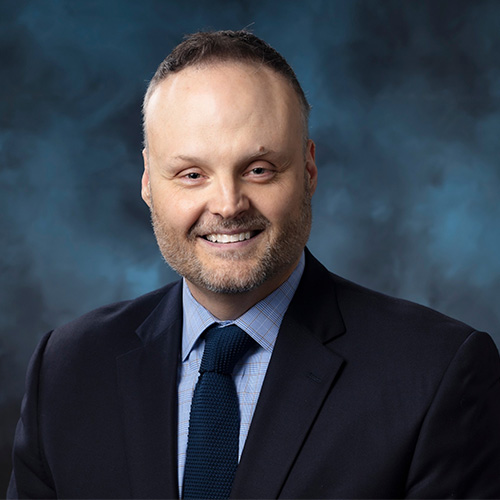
<point x="342" y="393"/>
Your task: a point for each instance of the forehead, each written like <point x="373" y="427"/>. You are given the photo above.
<point x="223" y="93"/>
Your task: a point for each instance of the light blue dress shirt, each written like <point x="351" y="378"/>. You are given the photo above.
<point x="262" y="323"/>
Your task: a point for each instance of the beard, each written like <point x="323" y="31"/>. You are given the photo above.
<point x="236" y="272"/>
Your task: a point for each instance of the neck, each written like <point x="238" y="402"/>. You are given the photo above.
<point x="229" y="306"/>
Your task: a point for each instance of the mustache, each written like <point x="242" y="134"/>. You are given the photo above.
<point x="245" y="223"/>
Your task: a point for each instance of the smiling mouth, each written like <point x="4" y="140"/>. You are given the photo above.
<point x="230" y="238"/>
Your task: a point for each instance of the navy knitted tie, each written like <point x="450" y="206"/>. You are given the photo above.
<point x="214" y="422"/>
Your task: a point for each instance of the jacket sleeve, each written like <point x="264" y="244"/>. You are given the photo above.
<point x="30" y="475"/>
<point x="458" y="449"/>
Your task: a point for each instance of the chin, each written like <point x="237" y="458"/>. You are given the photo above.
<point x="229" y="281"/>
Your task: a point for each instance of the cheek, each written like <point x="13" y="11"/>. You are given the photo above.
<point x="178" y="212"/>
<point x="284" y="202"/>
<point x="278" y="206"/>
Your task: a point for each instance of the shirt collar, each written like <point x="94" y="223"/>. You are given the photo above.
<point x="261" y="322"/>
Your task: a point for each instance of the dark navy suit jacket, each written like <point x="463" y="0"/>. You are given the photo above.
<point x="366" y="396"/>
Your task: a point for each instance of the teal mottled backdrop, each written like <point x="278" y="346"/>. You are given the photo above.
<point x="406" y="118"/>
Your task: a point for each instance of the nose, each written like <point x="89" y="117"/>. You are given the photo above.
<point x="228" y="199"/>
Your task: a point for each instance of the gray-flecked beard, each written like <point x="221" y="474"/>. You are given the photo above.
<point x="277" y="256"/>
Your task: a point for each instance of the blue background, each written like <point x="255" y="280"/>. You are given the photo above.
<point x="406" y="118"/>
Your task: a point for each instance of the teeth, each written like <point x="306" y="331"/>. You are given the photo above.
<point x="228" y="238"/>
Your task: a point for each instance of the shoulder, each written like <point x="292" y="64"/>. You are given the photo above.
<point x="381" y="325"/>
<point x="112" y="325"/>
<point x="391" y="346"/>
<point x="360" y="305"/>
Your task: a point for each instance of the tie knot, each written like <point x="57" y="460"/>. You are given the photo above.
<point x="224" y="347"/>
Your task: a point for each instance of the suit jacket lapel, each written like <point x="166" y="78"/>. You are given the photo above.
<point x="147" y="377"/>
<point x="302" y="370"/>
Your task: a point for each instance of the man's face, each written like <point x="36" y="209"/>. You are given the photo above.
<point x="226" y="176"/>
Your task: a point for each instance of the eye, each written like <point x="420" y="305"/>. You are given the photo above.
<point x="258" y="170"/>
<point x="191" y="177"/>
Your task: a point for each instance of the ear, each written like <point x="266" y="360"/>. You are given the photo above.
<point x="311" y="168"/>
<point x="145" y="183"/>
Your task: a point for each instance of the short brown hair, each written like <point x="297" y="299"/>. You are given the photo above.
<point x="211" y="46"/>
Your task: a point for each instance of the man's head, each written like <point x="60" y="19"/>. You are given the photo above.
<point x="227" y="176"/>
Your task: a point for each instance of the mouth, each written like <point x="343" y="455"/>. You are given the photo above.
<point x="230" y="238"/>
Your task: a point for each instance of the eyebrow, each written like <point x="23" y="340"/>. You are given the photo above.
<point x="258" y="154"/>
